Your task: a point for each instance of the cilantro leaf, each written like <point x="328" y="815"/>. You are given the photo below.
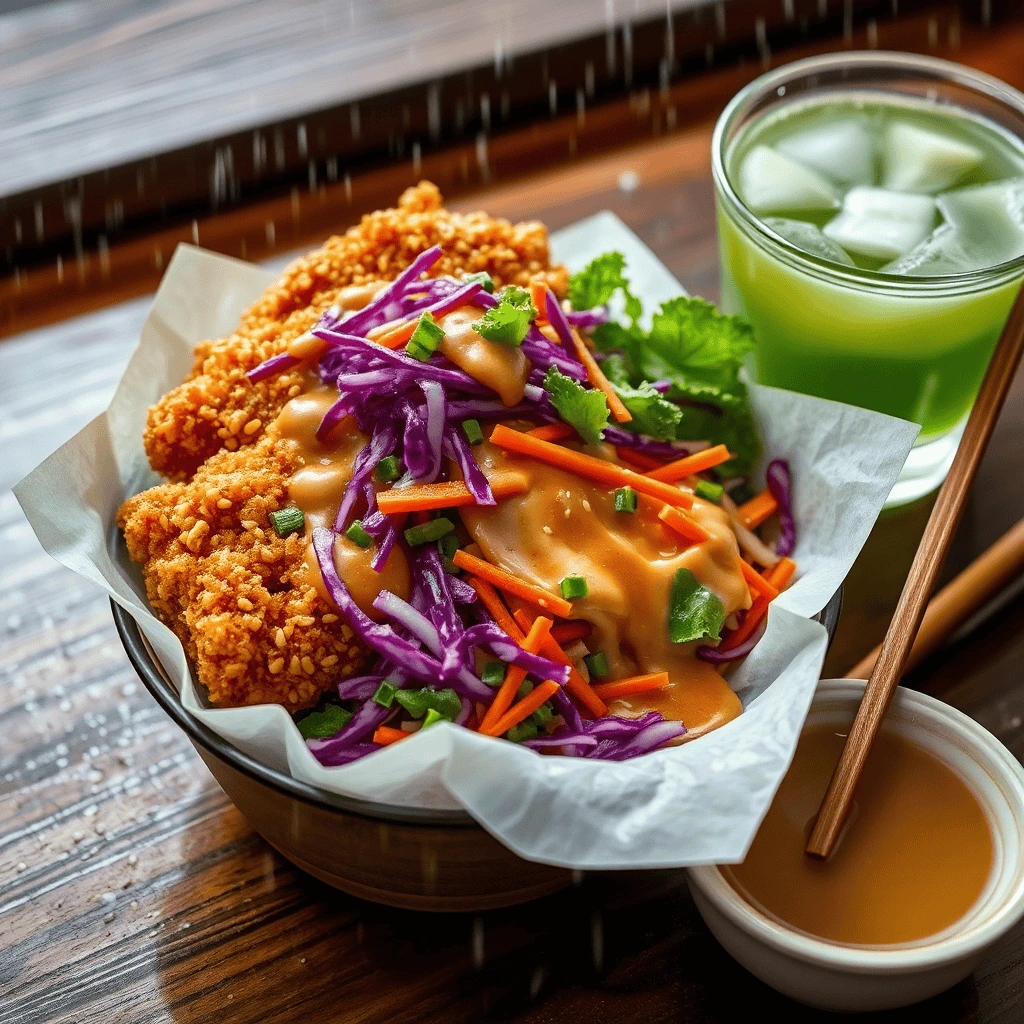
<point x="613" y="337"/>
<point x="321" y="725"/>
<point x="694" y="612"/>
<point x="615" y="367"/>
<point x="586" y="409"/>
<point x="690" y="338"/>
<point x="725" y="419"/>
<point x="652" y="415"/>
<point x="599" y="280"/>
<point x="508" y="321"/>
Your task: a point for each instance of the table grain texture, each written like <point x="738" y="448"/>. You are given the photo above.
<point x="131" y="891"/>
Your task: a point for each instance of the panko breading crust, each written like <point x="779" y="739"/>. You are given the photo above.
<point x="238" y="596"/>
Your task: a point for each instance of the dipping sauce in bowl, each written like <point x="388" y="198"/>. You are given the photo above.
<point x="915" y="856"/>
<point x="927" y="877"/>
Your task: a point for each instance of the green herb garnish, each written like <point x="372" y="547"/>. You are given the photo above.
<point x="574" y="586"/>
<point x="418" y="702"/>
<point x="388" y="469"/>
<point x="471" y="430"/>
<point x="523" y="731"/>
<point x="586" y="409"/>
<point x="509" y="321"/>
<point x="625" y="499"/>
<point x="321" y="725"/>
<point x="485" y="279"/>
<point x="385" y="694"/>
<point x="426" y="532"/>
<point x="694" y="612"/>
<point x="425" y="339"/>
<point x="700" y="351"/>
<point x="599" y="281"/>
<point x="597" y="664"/>
<point x="287" y="520"/>
<point x="358" y="535"/>
<point x="542" y="715"/>
<point x="493" y="673"/>
<point x="709" y="491"/>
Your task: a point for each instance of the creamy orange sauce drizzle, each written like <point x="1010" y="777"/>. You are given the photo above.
<point x="565" y="525"/>
<point x="318" y="486"/>
<point x="503" y="368"/>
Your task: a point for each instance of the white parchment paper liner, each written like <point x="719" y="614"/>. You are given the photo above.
<point x="693" y="804"/>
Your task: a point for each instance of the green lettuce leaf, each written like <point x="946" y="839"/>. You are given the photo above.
<point x="508" y="321"/>
<point x="599" y="280"/>
<point x="694" y="612"/>
<point x="586" y="409"/>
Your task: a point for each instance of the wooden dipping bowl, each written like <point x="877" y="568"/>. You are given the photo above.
<point x="407" y="857"/>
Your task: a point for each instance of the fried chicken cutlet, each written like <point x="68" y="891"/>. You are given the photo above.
<point x="239" y="597"/>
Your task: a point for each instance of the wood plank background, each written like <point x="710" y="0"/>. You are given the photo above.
<point x="132" y="892"/>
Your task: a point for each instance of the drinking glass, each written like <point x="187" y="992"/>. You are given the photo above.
<point x="913" y="347"/>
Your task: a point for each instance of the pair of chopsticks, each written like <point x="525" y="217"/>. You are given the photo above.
<point x="896" y="649"/>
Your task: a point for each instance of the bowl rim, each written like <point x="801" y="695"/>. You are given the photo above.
<point x="990" y="754"/>
<point x="149" y="670"/>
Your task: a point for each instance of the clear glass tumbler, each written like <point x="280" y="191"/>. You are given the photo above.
<point x="913" y="347"/>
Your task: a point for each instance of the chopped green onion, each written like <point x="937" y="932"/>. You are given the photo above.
<point x="419" y="702"/>
<point x="625" y="499"/>
<point x="525" y="688"/>
<point x="287" y="520"/>
<point x="597" y="664"/>
<point x="709" y="491"/>
<point x="425" y="339"/>
<point x="388" y="469"/>
<point x="321" y="725"/>
<point x="523" y="731"/>
<point x="426" y="532"/>
<point x="448" y="545"/>
<point x="574" y="586"/>
<point x="385" y="695"/>
<point x="358" y="535"/>
<point x="434" y="716"/>
<point x="542" y="715"/>
<point x="493" y="673"/>
<point x="484" y="278"/>
<point x="471" y="428"/>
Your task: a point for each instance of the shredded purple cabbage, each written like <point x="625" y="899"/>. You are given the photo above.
<point x="717" y="657"/>
<point x="272" y="367"/>
<point x="779" y="483"/>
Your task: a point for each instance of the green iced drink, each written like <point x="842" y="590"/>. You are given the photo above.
<point x="874" y="237"/>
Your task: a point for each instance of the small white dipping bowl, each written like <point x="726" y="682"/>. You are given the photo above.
<point x="838" y="976"/>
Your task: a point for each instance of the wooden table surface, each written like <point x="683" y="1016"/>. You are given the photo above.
<point x="132" y="891"/>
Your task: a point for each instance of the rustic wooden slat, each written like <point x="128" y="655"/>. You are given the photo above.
<point x="39" y="294"/>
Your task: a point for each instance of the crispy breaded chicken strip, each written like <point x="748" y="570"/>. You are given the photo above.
<point x="216" y="407"/>
<point x="240" y="598"/>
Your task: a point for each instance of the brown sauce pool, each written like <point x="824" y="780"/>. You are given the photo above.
<point x="913" y="860"/>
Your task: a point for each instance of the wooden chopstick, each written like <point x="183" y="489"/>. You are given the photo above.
<point x="952" y="606"/>
<point x="910" y="610"/>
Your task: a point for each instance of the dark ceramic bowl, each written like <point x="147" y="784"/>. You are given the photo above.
<point x="404" y="856"/>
